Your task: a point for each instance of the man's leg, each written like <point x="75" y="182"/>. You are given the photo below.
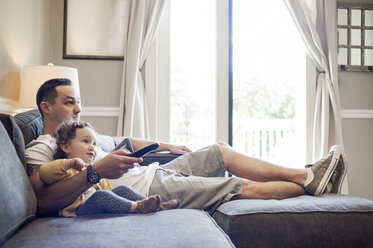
<point x="194" y="191"/>
<point x="269" y="190"/>
<point x="314" y="178"/>
<point x="244" y="166"/>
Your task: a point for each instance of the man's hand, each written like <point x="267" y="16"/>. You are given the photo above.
<point x="115" y="164"/>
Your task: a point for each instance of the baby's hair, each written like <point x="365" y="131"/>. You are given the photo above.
<point x="66" y="132"/>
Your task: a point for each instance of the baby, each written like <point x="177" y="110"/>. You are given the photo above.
<point x="76" y="142"/>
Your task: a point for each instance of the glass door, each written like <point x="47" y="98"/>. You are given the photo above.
<point x="193" y="72"/>
<point x="268" y="82"/>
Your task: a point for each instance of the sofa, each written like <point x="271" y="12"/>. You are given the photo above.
<point x="305" y="221"/>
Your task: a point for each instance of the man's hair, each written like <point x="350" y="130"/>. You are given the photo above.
<point x="48" y="93"/>
<point x="65" y="133"/>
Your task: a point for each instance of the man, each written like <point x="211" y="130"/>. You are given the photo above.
<point x="193" y="177"/>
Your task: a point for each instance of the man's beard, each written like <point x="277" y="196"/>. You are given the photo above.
<point x="75" y="117"/>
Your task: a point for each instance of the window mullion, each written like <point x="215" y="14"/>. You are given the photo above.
<point x="222" y="72"/>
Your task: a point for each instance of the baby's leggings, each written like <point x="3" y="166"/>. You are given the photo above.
<point x="115" y="201"/>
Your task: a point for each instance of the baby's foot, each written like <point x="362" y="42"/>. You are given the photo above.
<point x="148" y="205"/>
<point x="171" y="204"/>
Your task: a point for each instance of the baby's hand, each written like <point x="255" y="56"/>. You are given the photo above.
<point x="75" y="163"/>
<point x="78" y="164"/>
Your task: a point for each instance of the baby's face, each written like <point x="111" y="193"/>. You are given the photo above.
<point x="83" y="145"/>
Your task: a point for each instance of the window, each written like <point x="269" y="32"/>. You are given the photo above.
<point x="268" y="66"/>
<point x="193" y="72"/>
<point x="194" y="68"/>
<point x="355" y="37"/>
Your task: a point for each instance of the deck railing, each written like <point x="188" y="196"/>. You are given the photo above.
<point x="264" y="138"/>
<point x="270" y="139"/>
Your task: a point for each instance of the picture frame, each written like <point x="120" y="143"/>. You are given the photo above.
<point x="95" y="29"/>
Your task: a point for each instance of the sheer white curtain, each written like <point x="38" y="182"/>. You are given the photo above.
<point x="316" y="22"/>
<point x="143" y="22"/>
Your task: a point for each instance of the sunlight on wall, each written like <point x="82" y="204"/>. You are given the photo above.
<point x="25" y="31"/>
<point x="10" y="85"/>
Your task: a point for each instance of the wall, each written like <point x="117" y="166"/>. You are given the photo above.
<point x="25" y="33"/>
<point x="99" y="80"/>
<point x="32" y="34"/>
<point x="356" y="90"/>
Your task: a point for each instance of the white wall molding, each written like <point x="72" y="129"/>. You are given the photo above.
<point x="100" y="111"/>
<point x="357" y="113"/>
<point x="8" y="106"/>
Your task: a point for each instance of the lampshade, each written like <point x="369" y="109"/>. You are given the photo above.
<point x="34" y="76"/>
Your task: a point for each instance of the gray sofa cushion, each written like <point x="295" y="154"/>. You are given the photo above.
<point x="30" y="123"/>
<point x="15" y="135"/>
<point x="173" y="228"/>
<point x="17" y="199"/>
<point x="305" y="221"/>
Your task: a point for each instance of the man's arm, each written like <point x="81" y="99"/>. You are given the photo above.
<point x="140" y="143"/>
<point x="62" y="193"/>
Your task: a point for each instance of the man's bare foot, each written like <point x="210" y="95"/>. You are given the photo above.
<point x="171" y="204"/>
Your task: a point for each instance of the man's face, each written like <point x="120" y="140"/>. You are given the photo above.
<point x="66" y="105"/>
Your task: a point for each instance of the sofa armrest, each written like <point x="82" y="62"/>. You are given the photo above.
<point x="160" y="157"/>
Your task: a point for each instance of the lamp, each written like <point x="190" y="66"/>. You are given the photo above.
<point x="34" y="76"/>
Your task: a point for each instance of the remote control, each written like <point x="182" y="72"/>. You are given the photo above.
<point x="145" y="150"/>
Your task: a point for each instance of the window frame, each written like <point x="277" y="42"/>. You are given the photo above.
<point x="349" y="7"/>
<point x="157" y="78"/>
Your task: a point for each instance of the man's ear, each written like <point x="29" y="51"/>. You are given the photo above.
<point x="46" y="108"/>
